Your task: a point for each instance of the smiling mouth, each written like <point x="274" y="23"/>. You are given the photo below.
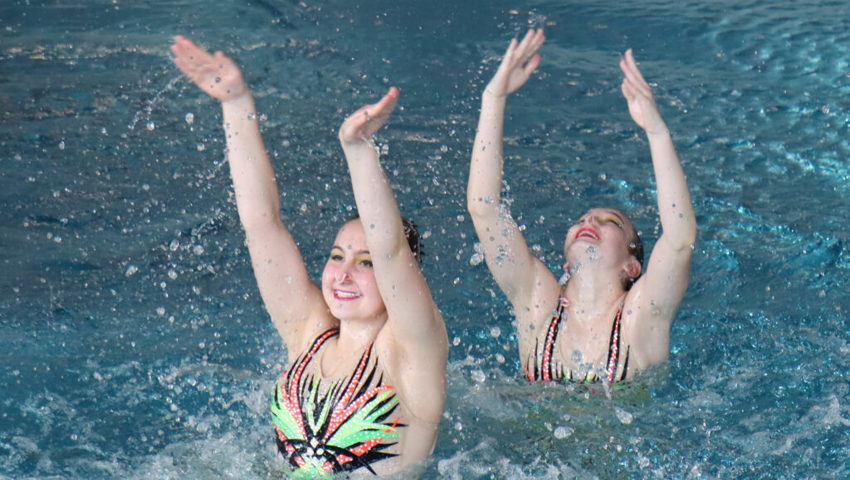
<point x="586" y="232"/>
<point x="345" y="295"/>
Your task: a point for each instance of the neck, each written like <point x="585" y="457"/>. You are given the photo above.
<point x="594" y="291"/>
<point x="356" y="334"/>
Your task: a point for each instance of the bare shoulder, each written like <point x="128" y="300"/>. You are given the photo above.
<point x="646" y="328"/>
<point x="298" y="340"/>
<point x="536" y="307"/>
<point x="417" y="371"/>
<point x="533" y="312"/>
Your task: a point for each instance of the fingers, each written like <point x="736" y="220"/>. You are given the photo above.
<point x="381" y="110"/>
<point x="519" y="52"/>
<point x="387" y="104"/>
<point x="531" y="65"/>
<point x="367" y="120"/>
<point x="529" y="45"/>
<point x="188" y="56"/>
<point x="633" y="76"/>
<point x="183" y="47"/>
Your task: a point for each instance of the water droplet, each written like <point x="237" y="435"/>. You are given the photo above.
<point x="151" y="126"/>
<point x="190" y="118"/>
<point x="131" y="270"/>
<point x="201" y="147"/>
<point x="217" y="79"/>
<point x="561" y="432"/>
<point x="624" y="416"/>
<point x="62" y="145"/>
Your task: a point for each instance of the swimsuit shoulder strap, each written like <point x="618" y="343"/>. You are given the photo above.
<point x="546" y="373"/>
<point x="614" y="349"/>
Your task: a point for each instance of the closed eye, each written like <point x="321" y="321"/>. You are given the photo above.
<point x="614" y="221"/>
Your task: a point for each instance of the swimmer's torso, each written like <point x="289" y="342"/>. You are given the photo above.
<point x="353" y="422"/>
<point x="552" y="356"/>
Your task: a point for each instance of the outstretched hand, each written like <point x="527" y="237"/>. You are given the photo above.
<point x="217" y="75"/>
<point x="639" y="96"/>
<point x="367" y="120"/>
<point x="520" y="61"/>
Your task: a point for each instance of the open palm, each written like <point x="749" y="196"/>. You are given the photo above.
<point x="519" y="62"/>
<point x="367" y="120"/>
<point x="639" y="96"/>
<point x="216" y="74"/>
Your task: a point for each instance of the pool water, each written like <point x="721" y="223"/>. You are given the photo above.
<point x="133" y="342"/>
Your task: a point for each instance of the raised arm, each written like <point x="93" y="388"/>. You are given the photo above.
<point x="413" y="319"/>
<point x="414" y="329"/>
<point x="287" y="292"/>
<point x="660" y="290"/>
<point x="513" y="266"/>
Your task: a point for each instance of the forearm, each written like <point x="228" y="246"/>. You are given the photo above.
<point x="674" y="200"/>
<point x="253" y="177"/>
<point x="485" y="170"/>
<point x="375" y="201"/>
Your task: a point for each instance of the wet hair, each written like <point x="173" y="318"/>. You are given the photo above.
<point x="636" y="250"/>
<point x="411" y="234"/>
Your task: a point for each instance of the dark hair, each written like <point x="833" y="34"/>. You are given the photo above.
<point x="411" y="233"/>
<point x="636" y="250"/>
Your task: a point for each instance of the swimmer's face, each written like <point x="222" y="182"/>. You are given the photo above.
<point x="600" y="233"/>
<point x="348" y="281"/>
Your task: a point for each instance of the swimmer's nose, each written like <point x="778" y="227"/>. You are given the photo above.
<point x="342" y="276"/>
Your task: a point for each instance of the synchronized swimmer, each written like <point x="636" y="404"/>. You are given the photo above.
<point x="612" y="318"/>
<point x="366" y="382"/>
<point x="365" y="386"/>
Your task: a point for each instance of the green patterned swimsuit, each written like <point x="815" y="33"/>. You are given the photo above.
<point x="324" y="427"/>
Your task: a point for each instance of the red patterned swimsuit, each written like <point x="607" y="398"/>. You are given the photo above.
<point x="542" y="368"/>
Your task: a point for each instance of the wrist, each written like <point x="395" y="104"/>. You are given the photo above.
<point x="355" y="144"/>
<point x="490" y="94"/>
<point x="241" y="98"/>
<point x="660" y="133"/>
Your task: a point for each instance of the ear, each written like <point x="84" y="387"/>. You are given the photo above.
<point x="632" y="268"/>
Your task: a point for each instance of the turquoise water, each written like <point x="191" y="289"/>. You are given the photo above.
<point x="133" y="343"/>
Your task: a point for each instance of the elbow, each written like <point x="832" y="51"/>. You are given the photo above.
<point x="686" y="241"/>
<point x="479" y="207"/>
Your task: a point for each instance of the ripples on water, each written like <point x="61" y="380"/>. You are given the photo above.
<point x="134" y="343"/>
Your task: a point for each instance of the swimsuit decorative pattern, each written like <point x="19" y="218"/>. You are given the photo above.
<point x="543" y="369"/>
<point x="343" y="429"/>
